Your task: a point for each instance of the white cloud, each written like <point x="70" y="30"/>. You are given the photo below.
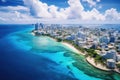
<point x="42" y="10"/>
<point x="3" y="0"/>
<point x="14" y="15"/>
<point x="75" y="9"/>
<point x="14" y="18"/>
<point x="98" y="0"/>
<point x="75" y="12"/>
<point x="53" y="10"/>
<point x="38" y="8"/>
<point x="11" y="14"/>
<point x="17" y="8"/>
<point x="91" y="3"/>
<point x="94" y="14"/>
<point x="75" y="4"/>
<point x="2" y="19"/>
<point x="112" y="14"/>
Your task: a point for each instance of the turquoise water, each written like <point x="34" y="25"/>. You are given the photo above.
<point x="43" y="55"/>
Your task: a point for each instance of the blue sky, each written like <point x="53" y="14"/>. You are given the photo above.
<point x="106" y="4"/>
<point x="97" y="10"/>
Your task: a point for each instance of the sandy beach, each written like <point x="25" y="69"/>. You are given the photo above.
<point x="99" y="66"/>
<point x="72" y="48"/>
<point x="89" y="60"/>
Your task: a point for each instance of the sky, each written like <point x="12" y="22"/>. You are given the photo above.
<point x="60" y="11"/>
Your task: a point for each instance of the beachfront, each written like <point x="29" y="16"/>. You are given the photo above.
<point x="83" y="44"/>
<point x="88" y="59"/>
<point x="72" y="48"/>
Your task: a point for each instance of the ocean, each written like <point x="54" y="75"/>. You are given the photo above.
<point x="27" y="57"/>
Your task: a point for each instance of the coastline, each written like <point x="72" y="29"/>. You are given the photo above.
<point x="98" y="66"/>
<point x="72" y="48"/>
<point x="88" y="59"/>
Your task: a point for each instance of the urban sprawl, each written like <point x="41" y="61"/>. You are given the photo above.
<point x="103" y="45"/>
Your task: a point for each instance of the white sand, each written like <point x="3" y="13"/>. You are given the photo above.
<point x="99" y="66"/>
<point x="90" y="60"/>
<point x="72" y="48"/>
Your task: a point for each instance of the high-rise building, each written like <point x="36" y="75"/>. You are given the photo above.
<point x="36" y="26"/>
<point x="112" y="54"/>
<point x="111" y="63"/>
<point x="104" y="39"/>
<point x="112" y="39"/>
<point x="39" y="26"/>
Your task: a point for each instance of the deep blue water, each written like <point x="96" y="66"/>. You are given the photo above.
<point x="17" y="64"/>
<point x="7" y="29"/>
<point x="26" y="57"/>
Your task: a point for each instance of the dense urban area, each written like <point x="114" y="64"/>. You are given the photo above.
<point x="97" y="44"/>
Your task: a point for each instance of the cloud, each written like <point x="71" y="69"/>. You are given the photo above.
<point x="39" y="9"/>
<point x="98" y="0"/>
<point x="21" y="9"/>
<point x="15" y="18"/>
<point x="2" y="19"/>
<point x="91" y="3"/>
<point x="112" y="14"/>
<point x="75" y="9"/>
<point x="75" y="4"/>
<point x="35" y="10"/>
<point x="14" y="13"/>
<point x="53" y="10"/>
<point x="3" y="1"/>
<point x="94" y="14"/>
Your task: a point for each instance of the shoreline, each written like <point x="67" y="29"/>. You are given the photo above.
<point x="88" y="59"/>
<point x="98" y="66"/>
<point x="72" y="48"/>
